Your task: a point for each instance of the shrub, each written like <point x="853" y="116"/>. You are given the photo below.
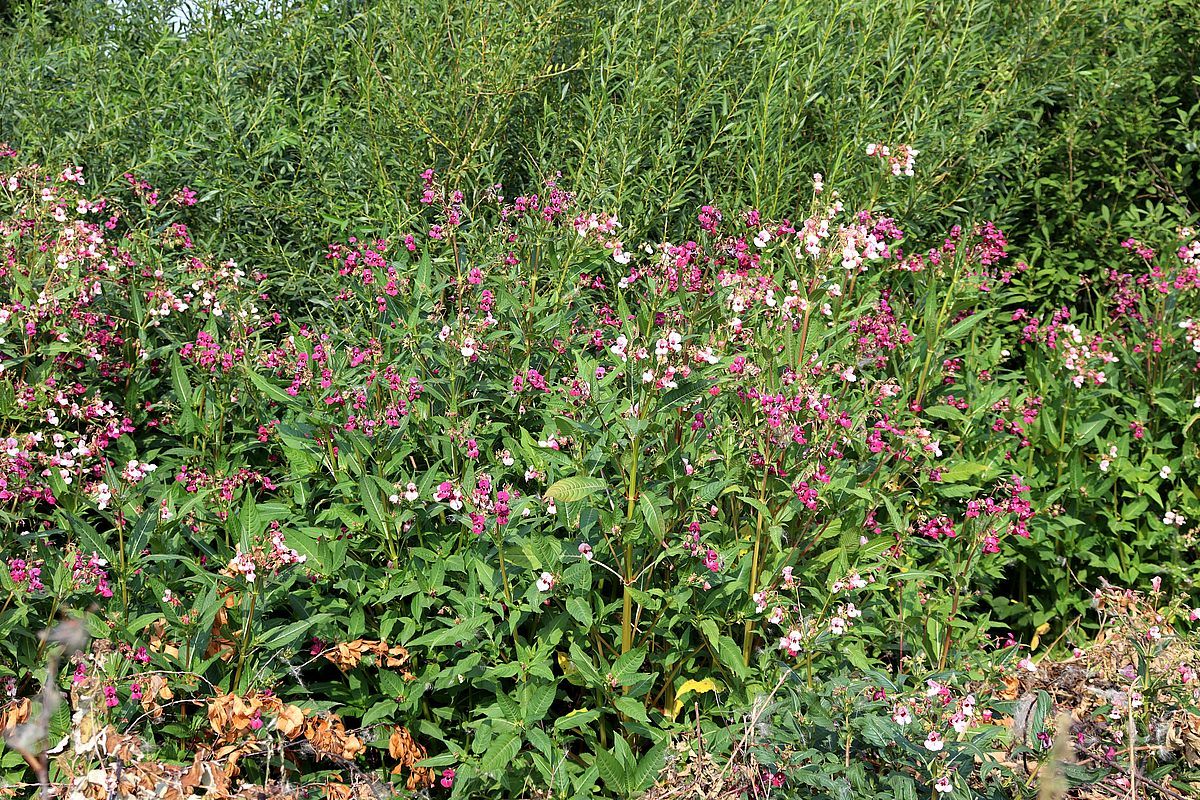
<point x="306" y="121"/>
<point x="514" y="490"/>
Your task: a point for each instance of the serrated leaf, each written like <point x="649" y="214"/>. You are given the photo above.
<point x="578" y="717"/>
<point x="611" y="772"/>
<point x="631" y="707"/>
<point x="269" y="389"/>
<point x="463" y="631"/>
<point x="540" y="700"/>
<point x="964" y="326"/>
<point x="372" y="502"/>
<point x="569" y="490"/>
<point x="647" y="769"/>
<point x="581" y="610"/>
<point x="627" y="665"/>
<point x="653" y="517"/>
<point x="501" y="752"/>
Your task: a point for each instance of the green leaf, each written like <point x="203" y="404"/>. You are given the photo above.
<point x="625" y="666"/>
<point x="581" y="610"/>
<point x="648" y="767"/>
<point x="464" y="631"/>
<point x="577" y="718"/>
<point x="380" y="711"/>
<point x="278" y="638"/>
<point x="583" y="663"/>
<point x="632" y="708"/>
<point x="964" y="326"/>
<point x="611" y="772"/>
<point x="540" y="700"/>
<point x="508" y="707"/>
<point x="653" y="517"/>
<point x="683" y="394"/>
<point x="269" y="389"/>
<point x="250" y="525"/>
<point x="1089" y="430"/>
<point x="962" y="470"/>
<point x="372" y="502"/>
<point x="501" y="752"/>
<point x="569" y="490"/>
<point x="183" y="394"/>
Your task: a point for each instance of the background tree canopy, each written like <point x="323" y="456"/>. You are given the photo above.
<point x="1072" y="123"/>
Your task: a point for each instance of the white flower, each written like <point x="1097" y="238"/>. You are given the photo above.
<point x="837" y="626"/>
<point x="902" y="716"/>
<point x="410" y="492"/>
<point x="943" y="785"/>
<point x="103" y="496"/>
<point x="1164" y="473"/>
<point x="934" y="742"/>
<point x="546" y="582"/>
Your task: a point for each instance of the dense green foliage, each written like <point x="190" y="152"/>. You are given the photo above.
<point x="1066" y="121"/>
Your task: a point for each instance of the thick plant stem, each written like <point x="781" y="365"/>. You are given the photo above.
<point x="755" y="565"/>
<point x="937" y="332"/>
<point x="626" y="589"/>
<point x="627" y="604"/>
<point x="956" y="598"/>
<point x="245" y="644"/>
<point x="504" y="572"/>
<point x="122" y="566"/>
